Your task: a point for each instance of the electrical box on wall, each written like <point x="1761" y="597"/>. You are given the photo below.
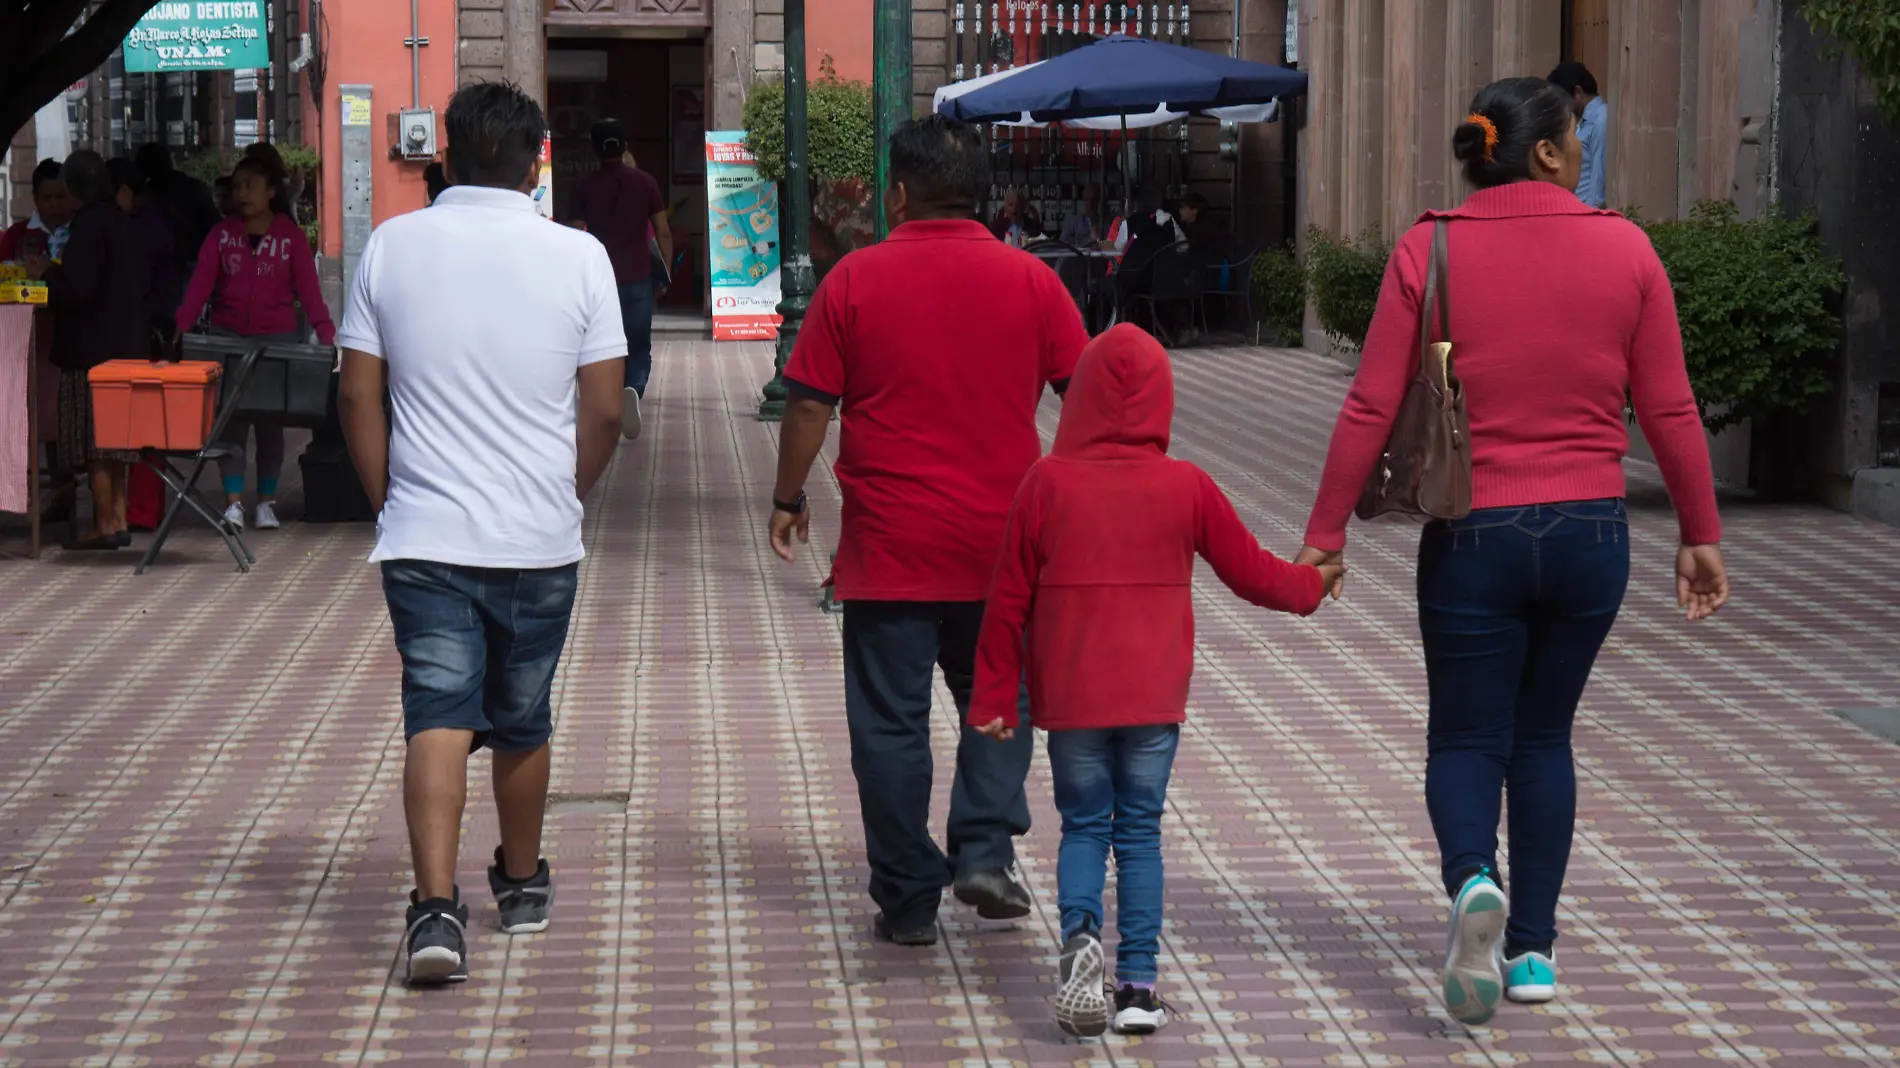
<point x="413" y="134"/>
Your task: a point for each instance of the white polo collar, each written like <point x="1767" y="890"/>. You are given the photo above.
<point x="482" y="196"/>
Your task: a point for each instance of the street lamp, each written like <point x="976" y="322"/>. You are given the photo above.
<point x="794" y="214"/>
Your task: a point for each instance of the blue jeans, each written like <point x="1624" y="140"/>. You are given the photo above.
<point x="1111" y="786"/>
<point x="891" y="652"/>
<point x="479" y="647"/>
<point x="636" y="317"/>
<point x="1513" y="604"/>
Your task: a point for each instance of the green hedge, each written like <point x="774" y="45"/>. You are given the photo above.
<point x="1759" y="303"/>
<point x="1279" y="293"/>
<point x="1344" y="275"/>
<point x="840" y="125"/>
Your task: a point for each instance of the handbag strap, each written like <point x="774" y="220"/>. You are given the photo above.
<point x="1441" y="269"/>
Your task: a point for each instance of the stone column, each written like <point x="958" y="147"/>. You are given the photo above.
<point x="1643" y="96"/>
<point x="732" y="56"/>
<point x="1529" y="38"/>
<point x="1469" y="28"/>
<point x="1321" y="141"/>
<point x="929" y="52"/>
<point x="1417" y="142"/>
<point x="1363" y="178"/>
<point x="1260" y="173"/>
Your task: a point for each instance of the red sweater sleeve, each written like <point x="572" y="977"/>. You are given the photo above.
<point x="204" y="281"/>
<point x="303" y="275"/>
<point x="1387" y="364"/>
<point x="1666" y="407"/>
<point x="1253" y="573"/>
<point x="999" y="645"/>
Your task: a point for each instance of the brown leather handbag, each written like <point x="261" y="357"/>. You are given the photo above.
<point x="1425" y="469"/>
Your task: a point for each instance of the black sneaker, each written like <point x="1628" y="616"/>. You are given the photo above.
<point x="1138" y="1011"/>
<point x="437" y="952"/>
<point x="924" y="935"/>
<point x="997" y="894"/>
<point x="1081" y="1008"/>
<point x="525" y="905"/>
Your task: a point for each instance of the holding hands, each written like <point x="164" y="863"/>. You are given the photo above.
<point x="1332" y="568"/>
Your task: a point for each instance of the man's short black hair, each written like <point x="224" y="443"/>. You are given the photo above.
<point x="609" y="138"/>
<point x="47" y="171"/>
<point x="495" y="133"/>
<point x="87" y="177"/>
<point x="154" y="161"/>
<point x="941" y="163"/>
<point x="1573" y="76"/>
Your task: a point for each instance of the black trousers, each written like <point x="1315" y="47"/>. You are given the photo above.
<point x="890" y="652"/>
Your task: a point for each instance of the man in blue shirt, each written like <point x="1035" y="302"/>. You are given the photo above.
<point x="1593" y="121"/>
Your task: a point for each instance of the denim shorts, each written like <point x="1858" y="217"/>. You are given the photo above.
<point x="479" y="647"/>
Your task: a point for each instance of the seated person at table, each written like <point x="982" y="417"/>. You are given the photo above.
<point x="1017" y="221"/>
<point x="1150" y="230"/>
<point x="1083" y="227"/>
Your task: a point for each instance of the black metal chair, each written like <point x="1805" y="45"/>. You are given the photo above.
<point x="1232" y="280"/>
<point x="1071" y="266"/>
<point x="1171" y="278"/>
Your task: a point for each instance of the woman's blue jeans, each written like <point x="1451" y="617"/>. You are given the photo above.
<point x="1513" y="604"/>
<point x="1111" y="787"/>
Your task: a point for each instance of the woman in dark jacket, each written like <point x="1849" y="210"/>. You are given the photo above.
<point x="97" y="293"/>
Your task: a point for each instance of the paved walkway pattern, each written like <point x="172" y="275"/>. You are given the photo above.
<point x="202" y="856"/>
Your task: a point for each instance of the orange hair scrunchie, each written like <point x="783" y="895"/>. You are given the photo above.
<point x="1490" y="132"/>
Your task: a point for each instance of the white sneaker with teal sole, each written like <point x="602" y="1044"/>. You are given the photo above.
<point x="1530" y="978"/>
<point x="1473" y="983"/>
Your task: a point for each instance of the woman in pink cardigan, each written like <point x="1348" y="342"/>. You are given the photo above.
<point x="1559" y="311"/>
<point x="256" y="271"/>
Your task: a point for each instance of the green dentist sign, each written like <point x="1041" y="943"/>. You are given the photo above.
<point x="199" y="35"/>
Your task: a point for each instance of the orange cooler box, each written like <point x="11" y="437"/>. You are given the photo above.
<point x="140" y="405"/>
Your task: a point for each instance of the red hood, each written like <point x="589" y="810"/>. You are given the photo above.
<point x="1120" y="401"/>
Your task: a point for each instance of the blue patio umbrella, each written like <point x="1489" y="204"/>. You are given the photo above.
<point x="1122" y="75"/>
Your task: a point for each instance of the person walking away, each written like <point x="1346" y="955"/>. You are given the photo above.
<point x="1515" y="599"/>
<point x="620" y="204"/>
<point x="498" y="340"/>
<point x="97" y="294"/>
<point x="180" y="198"/>
<point x="1593" y="128"/>
<point x="1094" y="588"/>
<point x="255" y="270"/>
<point x="152" y="236"/>
<point x="938" y="427"/>
<point x="53" y="208"/>
<point x="434" y="181"/>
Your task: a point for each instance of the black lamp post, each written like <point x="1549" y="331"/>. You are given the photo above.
<point x="794" y="213"/>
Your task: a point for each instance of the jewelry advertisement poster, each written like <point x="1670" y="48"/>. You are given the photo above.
<point x="742" y="241"/>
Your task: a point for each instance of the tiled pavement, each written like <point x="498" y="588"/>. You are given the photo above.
<point x="202" y="857"/>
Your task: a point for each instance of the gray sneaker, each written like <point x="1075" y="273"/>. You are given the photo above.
<point x="526" y="905"/>
<point x="1081" y="1000"/>
<point x="997" y="894"/>
<point x="630" y="421"/>
<point x="437" y="952"/>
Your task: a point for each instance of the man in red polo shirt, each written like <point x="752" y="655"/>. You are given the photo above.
<point x="937" y="344"/>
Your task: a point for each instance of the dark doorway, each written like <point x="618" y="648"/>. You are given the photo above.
<point x="657" y="89"/>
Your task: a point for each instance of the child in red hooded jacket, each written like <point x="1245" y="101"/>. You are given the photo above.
<point x="1097" y="568"/>
<point x="256" y="269"/>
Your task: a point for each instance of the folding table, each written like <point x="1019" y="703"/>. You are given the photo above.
<point x="286" y="397"/>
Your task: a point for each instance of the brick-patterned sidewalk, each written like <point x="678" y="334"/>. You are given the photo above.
<point x="202" y="857"/>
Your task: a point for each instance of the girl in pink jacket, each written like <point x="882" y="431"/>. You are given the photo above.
<point x="256" y="270"/>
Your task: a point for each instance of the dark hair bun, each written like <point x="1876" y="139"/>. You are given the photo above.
<point x="1467" y="142"/>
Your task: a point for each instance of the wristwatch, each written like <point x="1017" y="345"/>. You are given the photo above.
<point x="796" y="506"/>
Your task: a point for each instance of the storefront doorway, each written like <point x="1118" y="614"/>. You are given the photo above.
<point x="656" y="87"/>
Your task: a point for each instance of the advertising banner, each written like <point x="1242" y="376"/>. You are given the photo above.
<point x="742" y="241"/>
<point x="199" y="35"/>
<point x="544" y="180"/>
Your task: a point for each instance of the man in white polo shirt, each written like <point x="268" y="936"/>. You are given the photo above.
<point x="498" y="338"/>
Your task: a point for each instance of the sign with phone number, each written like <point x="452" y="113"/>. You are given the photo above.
<point x="199" y="35"/>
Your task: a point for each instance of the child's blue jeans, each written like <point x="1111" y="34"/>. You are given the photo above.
<point x="1111" y="786"/>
